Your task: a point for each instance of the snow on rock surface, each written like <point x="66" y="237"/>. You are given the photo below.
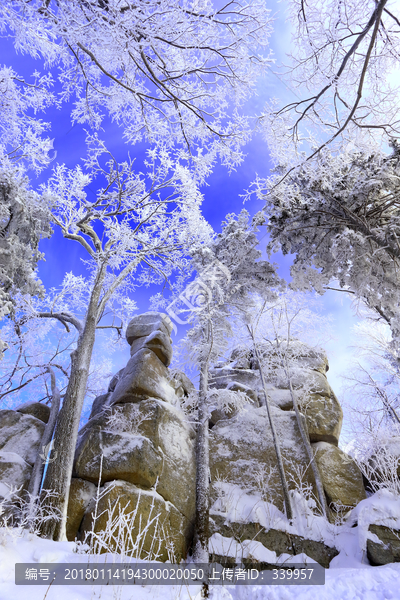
<point x="137" y="434"/>
<point x="14" y="473"/>
<point x="21" y="434"/>
<point x="138" y="440"/>
<point x="242" y="452"/>
<point x="36" y="409"/>
<point x="146" y="323"/>
<point x="252" y="550"/>
<point x="144" y="376"/>
<point x="150" y="526"/>
<point x="132" y="458"/>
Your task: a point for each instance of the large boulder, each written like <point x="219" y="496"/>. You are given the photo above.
<point x="80" y="494"/>
<point x="324" y="417"/>
<point x="36" y="409"/>
<point x="21" y="434"/>
<point x="174" y="437"/>
<point x="145" y="376"/>
<point x="341" y="477"/>
<point x="132" y="458"/>
<point x="242" y="452"/>
<point x="142" y="443"/>
<point x="100" y="404"/>
<point x="147" y="526"/>
<point x="157" y="341"/>
<point x="14" y="474"/>
<point x="386" y="549"/>
<point x="146" y="323"/>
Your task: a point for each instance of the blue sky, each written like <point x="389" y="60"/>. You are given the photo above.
<point x="221" y="196"/>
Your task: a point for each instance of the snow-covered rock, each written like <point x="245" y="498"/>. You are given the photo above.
<point x="36" y="409"/>
<point x="223" y="377"/>
<point x="242" y="453"/>
<point x="324" y="418"/>
<point x="249" y="539"/>
<point x="387" y="547"/>
<point x="80" y="494"/>
<point x="14" y="474"/>
<point x="126" y="456"/>
<point x="157" y="341"/>
<point x="151" y="527"/>
<point x="145" y="376"/>
<point x="146" y="323"/>
<point x="378" y="525"/>
<point x="149" y="444"/>
<point x="139" y="439"/>
<point x="21" y="434"/>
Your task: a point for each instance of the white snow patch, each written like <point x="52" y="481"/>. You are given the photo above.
<point x="252" y="549"/>
<point x="372" y="583"/>
<point x="238" y="507"/>
<point x="383" y="508"/>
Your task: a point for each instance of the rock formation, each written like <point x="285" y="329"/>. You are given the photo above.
<point x="242" y="456"/>
<point x="20" y="436"/>
<point x="139" y="448"/>
<point x="134" y="468"/>
<point x="247" y="435"/>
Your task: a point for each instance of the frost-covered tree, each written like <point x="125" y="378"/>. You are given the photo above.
<point x="252" y="318"/>
<point x="23" y="140"/>
<point x="171" y="71"/>
<point x="24" y="221"/>
<point x="342" y="72"/>
<point x="24" y="214"/>
<point x="282" y="334"/>
<point x="174" y="74"/>
<point x="332" y="200"/>
<point x="342" y="222"/>
<point x="35" y="343"/>
<point x="372" y="388"/>
<point x="135" y="231"/>
<point x="228" y="269"/>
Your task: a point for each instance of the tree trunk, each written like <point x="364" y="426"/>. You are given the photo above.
<point x="37" y="471"/>
<point x="285" y="489"/>
<point x="306" y="439"/>
<point x="200" y="552"/>
<point x="59" y="472"/>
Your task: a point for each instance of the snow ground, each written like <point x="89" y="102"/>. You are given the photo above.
<point x="350" y="576"/>
<point x="358" y="582"/>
